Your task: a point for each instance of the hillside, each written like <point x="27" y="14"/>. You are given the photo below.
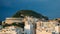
<point x="29" y="13"/>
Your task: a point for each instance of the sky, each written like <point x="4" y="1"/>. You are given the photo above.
<point x="49" y="8"/>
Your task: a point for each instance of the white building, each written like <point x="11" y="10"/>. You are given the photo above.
<point x="28" y="28"/>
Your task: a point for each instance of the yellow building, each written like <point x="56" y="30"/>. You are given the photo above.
<point x="13" y="20"/>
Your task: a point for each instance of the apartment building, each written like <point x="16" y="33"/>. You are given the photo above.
<point x="29" y="27"/>
<point x="49" y="27"/>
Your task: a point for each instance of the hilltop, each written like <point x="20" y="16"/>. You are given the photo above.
<point x="29" y="13"/>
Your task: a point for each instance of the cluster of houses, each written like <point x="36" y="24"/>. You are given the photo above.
<point x="31" y="26"/>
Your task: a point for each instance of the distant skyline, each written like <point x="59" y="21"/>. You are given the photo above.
<point x="49" y="8"/>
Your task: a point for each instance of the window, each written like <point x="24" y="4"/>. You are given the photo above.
<point x="46" y="30"/>
<point x="53" y="32"/>
<point x="59" y="32"/>
<point x="58" y="24"/>
<point x="25" y="33"/>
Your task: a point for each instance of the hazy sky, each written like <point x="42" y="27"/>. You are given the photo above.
<point x="50" y="8"/>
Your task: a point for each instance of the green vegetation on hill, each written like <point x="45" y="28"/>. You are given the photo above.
<point x="15" y="24"/>
<point x="29" y="13"/>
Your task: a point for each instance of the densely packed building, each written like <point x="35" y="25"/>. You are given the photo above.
<point x="32" y="26"/>
<point x="11" y="30"/>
